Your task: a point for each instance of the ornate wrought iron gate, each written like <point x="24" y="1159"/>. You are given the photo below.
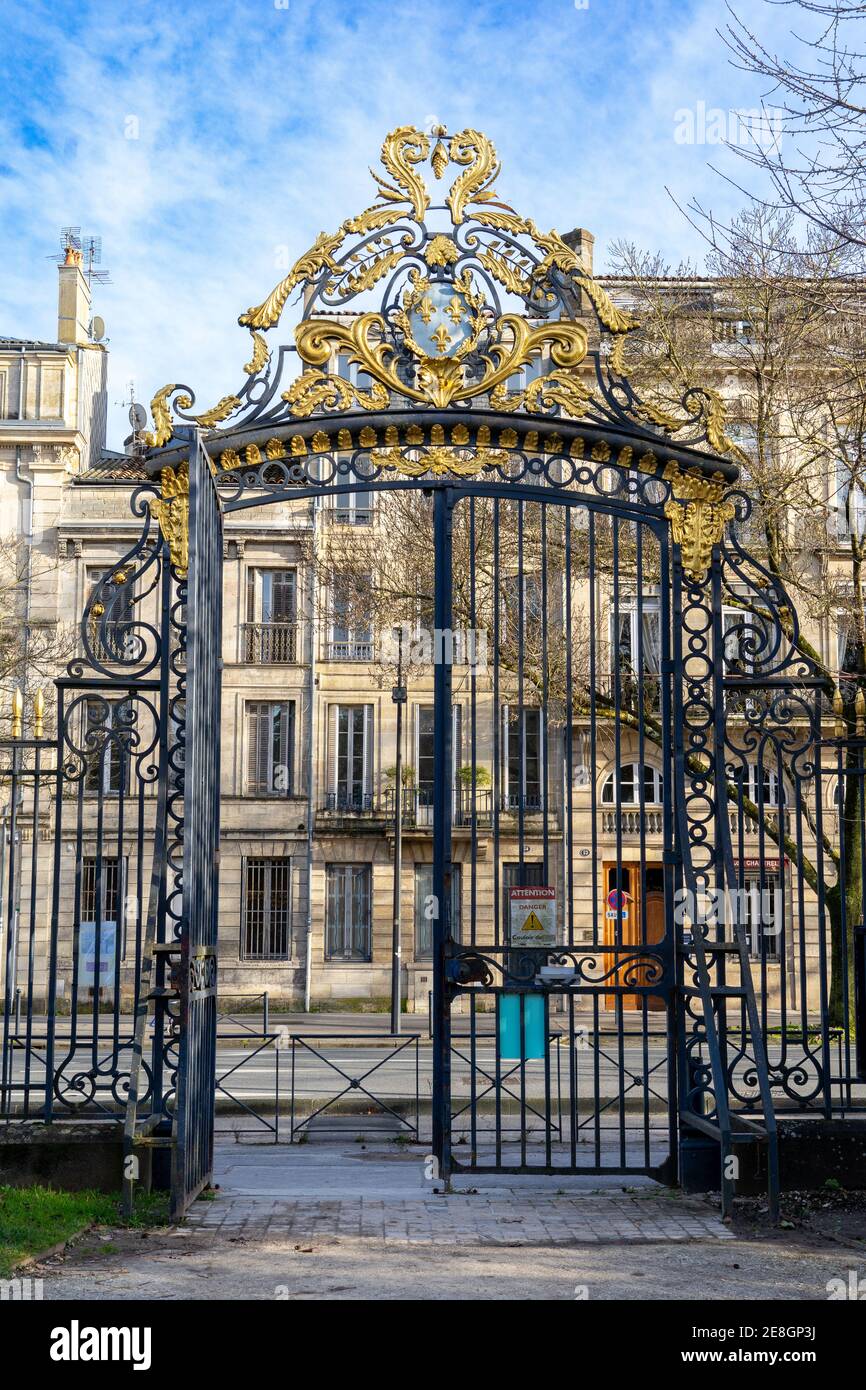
<point x="642" y="727"/>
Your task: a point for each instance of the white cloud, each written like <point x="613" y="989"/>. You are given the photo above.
<point x="256" y="126"/>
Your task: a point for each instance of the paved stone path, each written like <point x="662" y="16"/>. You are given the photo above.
<point x="509" y="1218"/>
<point x="378" y="1192"/>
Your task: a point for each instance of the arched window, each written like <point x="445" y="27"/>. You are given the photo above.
<point x="758" y="784"/>
<point x="630" y="786"/>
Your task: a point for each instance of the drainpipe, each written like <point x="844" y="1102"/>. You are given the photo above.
<point x="311" y="743"/>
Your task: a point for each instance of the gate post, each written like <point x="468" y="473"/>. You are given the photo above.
<point x="194" y="1111"/>
<point x="443" y="505"/>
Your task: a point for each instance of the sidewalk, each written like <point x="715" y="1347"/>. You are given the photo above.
<point x="350" y="1222"/>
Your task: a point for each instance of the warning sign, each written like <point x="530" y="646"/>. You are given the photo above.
<point x="532" y="916"/>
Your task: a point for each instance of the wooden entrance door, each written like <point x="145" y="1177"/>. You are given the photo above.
<point x="643" y="894"/>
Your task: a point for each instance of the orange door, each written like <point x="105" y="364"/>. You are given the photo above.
<point x="628" y="932"/>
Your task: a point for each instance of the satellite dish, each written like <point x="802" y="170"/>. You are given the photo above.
<point x="137" y="417"/>
<point x="97" y="328"/>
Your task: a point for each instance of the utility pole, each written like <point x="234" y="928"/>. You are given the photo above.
<point x="398" y="695"/>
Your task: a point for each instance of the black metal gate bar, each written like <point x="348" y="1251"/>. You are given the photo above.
<point x="192" y="1164"/>
<point x="442" y="793"/>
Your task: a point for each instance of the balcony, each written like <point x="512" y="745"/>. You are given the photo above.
<point x="368" y="809"/>
<point x="633" y="821"/>
<point x="269" y="644"/>
<point x="349" y="651"/>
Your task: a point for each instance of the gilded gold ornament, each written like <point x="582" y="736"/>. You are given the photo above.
<point x="171" y="512"/>
<point x="698" y="513"/>
<point x="259" y="356"/>
<point x="161" y="414"/>
<point x="441" y="251"/>
<point x="474" y="184"/>
<point x="439" y="460"/>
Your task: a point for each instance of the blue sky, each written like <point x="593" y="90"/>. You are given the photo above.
<point x="254" y="124"/>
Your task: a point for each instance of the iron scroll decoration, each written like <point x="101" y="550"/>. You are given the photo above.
<point x="442" y="340"/>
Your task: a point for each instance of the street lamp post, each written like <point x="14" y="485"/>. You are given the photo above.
<point x="398" y="695"/>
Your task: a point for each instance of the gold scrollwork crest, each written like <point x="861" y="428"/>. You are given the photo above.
<point x="440" y="381"/>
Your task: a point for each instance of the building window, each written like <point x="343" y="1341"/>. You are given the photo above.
<point x="760" y="911"/>
<point x="106" y="723"/>
<point x="351" y="631"/>
<point x="630" y="786"/>
<point x="110" y="632"/>
<point x="269" y="633"/>
<point x="101" y="908"/>
<point x="425" y="758"/>
<point x="270" y="744"/>
<point x="348" y="926"/>
<point x="733" y="330"/>
<point x="527" y="589"/>
<point x="267" y="909"/>
<point x="352" y="760"/>
<point x="425" y="914"/>
<point x="353" y="508"/>
<point x="521" y="753"/>
<point x="848" y="499"/>
<point x="636" y="648"/>
<point x="760" y="785"/>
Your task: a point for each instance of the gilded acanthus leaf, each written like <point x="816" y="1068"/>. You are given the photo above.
<point x="171" y="512"/>
<point x="366" y="277"/>
<point x="698" y="513"/>
<point x="161" y="415"/>
<point x="259" y="357"/>
<point x="439" y="460"/>
<point x="221" y="411"/>
<point x="507" y="274"/>
<point x="314" y="390"/>
<point x="558" y="388"/>
<point x="472" y="148"/>
<point x="320" y="254"/>
<point x="401" y="151"/>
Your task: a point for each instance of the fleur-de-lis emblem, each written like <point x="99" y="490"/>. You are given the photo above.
<point x="440" y="318"/>
<point x="441" y="338"/>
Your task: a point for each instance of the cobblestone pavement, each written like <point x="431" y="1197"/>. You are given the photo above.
<point x="508" y="1218"/>
<point x="374" y="1192"/>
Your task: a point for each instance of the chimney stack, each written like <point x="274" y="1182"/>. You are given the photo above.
<point x="581" y="241"/>
<point x="73" y="300"/>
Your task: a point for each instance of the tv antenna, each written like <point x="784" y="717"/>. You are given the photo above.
<point x="85" y="251"/>
<point x="137" y="416"/>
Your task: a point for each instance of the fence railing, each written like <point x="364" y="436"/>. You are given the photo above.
<point x="269" y="644"/>
<point x="331" y="1070"/>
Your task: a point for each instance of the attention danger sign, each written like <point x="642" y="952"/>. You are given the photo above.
<point x="532" y="916"/>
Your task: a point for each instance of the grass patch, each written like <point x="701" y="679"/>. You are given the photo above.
<point x="35" y="1218"/>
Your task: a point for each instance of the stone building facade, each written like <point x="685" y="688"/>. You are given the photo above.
<point x="308" y="726"/>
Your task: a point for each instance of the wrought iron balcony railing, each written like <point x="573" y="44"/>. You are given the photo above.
<point x="269" y="644"/>
<point x="417" y="807"/>
<point x="349" y="651"/>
